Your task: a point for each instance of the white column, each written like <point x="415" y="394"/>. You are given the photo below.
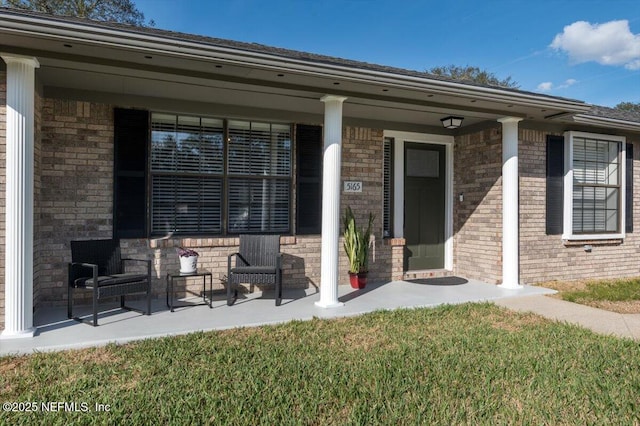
<point x="510" y="201"/>
<point x="18" y="279"/>
<point x="332" y="160"/>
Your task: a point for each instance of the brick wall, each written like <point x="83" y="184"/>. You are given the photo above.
<point x="75" y="200"/>
<point x="478" y="219"/>
<point x="362" y="162"/>
<point x="301" y="262"/>
<point x="546" y="257"/>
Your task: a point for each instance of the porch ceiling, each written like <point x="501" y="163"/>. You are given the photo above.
<point x="89" y="61"/>
<point x="241" y="87"/>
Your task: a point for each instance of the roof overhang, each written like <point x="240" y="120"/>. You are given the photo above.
<point x="591" y="120"/>
<point x="83" y="55"/>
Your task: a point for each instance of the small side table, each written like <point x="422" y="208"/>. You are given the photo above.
<point x="171" y="276"/>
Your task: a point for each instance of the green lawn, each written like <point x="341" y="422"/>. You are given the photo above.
<point x="468" y="364"/>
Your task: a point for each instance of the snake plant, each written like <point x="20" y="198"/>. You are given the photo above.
<point x="356" y="242"/>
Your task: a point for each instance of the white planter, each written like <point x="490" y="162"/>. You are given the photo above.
<point x="188" y="264"/>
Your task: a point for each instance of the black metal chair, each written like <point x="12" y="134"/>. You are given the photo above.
<point x="97" y="266"/>
<point x="258" y="261"/>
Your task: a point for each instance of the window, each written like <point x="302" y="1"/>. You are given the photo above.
<point x="190" y="177"/>
<point x="259" y="170"/>
<point x="594" y="201"/>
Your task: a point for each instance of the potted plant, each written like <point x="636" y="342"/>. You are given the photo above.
<point x="188" y="260"/>
<point x="356" y="245"/>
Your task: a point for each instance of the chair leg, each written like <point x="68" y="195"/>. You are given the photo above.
<point x="122" y="302"/>
<point x="231" y="300"/>
<point x="95" y="306"/>
<point x="149" y="287"/>
<point x="278" y="288"/>
<point x="69" y="302"/>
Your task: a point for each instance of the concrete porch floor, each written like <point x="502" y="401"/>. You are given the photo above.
<point x="56" y="332"/>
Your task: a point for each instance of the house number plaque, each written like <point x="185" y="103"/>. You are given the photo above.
<point x="352" y="186"/>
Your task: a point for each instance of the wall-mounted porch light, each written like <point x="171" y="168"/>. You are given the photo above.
<point x="452" y="122"/>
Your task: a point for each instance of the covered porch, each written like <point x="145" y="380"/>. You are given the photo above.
<point x="53" y="331"/>
<point x="61" y="94"/>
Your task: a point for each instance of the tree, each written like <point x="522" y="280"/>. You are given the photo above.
<point x="123" y="11"/>
<point x="629" y="106"/>
<point x="473" y="74"/>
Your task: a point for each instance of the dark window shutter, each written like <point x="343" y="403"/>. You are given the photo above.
<point x="629" y="190"/>
<point x="555" y="181"/>
<point x="309" y="179"/>
<point x="131" y="134"/>
<point x="387" y="187"/>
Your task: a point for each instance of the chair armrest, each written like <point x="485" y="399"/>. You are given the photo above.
<point x="238" y="257"/>
<point x="73" y="269"/>
<point x="83" y="265"/>
<point x="145" y="261"/>
<point x="279" y="260"/>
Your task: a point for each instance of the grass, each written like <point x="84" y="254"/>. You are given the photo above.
<point x="620" y="295"/>
<point x="466" y="364"/>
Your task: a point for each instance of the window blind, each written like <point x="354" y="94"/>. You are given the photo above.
<point x="596" y="189"/>
<point x="183" y="204"/>
<point x="259" y="149"/>
<point x="258" y="205"/>
<point x="187" y="157"/>
<point x="189" y="180"/>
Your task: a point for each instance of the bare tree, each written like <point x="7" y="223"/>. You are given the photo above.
<point x="123" y="11"/>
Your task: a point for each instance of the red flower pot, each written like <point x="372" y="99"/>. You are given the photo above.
<point x="358" y="280"/>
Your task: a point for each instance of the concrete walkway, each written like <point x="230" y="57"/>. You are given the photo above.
<point x="598" y="320"/>
<point x="56" y="332"/>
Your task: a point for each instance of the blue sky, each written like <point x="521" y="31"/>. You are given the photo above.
<point x="580" y="49"/>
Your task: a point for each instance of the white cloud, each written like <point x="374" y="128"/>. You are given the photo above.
<point x="611" y="43"/>
<point x="545" y="86"/>
<point x="568" y="83"/>
<point x="633" y="65"/>
<point x="548" y="86"/>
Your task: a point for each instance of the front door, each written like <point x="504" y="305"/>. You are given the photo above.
<point x="424" y="205"/>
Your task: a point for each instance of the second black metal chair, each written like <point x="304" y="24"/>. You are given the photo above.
<point x="258" y="261"/>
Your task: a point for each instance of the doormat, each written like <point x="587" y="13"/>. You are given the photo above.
<point x="439" y="281"/>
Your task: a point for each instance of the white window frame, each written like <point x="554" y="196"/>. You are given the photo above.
<point x="568" y="187"/>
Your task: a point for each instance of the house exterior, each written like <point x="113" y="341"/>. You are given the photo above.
<point x="163" y="140"/>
